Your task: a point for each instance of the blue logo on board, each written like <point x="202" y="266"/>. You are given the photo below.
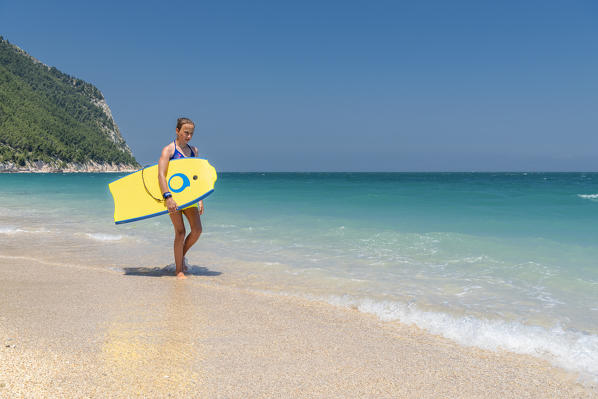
<point x="184" y="180"/>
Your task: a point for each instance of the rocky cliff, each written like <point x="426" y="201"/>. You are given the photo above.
<point x="53" y="122"/>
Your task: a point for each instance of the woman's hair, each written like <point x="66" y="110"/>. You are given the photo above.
<point x="181" y="121"/>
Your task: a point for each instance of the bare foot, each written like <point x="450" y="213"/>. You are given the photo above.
<point x="181" y="276"/>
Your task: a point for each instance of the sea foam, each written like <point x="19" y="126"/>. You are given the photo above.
<point x="572" y="350"/>
<point x="104" y="237"/>
<point x="9" y="230"/>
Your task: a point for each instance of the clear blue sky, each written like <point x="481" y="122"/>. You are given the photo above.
<point x="336" y="85"/>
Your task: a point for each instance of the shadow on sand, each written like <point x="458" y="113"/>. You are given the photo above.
<point x="168" y="271"/>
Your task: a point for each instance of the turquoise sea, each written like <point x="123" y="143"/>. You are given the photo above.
<point x="494" y="260"/>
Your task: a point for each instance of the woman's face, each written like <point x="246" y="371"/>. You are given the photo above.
<point x="185" y="133"/>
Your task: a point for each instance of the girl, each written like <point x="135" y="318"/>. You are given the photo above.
<point x="180" y="148"/>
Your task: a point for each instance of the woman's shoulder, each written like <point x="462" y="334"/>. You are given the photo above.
<point x="169" y="149"/>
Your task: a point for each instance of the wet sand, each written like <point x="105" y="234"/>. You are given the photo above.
<point x="73" y="331"/>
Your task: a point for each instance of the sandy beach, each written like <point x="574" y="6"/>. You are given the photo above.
<point x="75" y="331"/>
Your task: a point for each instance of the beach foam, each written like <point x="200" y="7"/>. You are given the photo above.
<point x="104" y="237"/>
<point x="575" y="351"/>
<point x="10" y="230"/>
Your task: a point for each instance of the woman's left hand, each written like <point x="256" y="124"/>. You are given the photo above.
<point x="200" y="205"/>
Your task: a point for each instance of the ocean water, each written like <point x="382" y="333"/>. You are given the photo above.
<point x="502" y="261"/>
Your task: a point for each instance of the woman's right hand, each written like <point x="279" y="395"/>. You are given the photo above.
<point x="171" y="205"/>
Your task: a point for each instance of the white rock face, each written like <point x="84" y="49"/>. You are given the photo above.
<point x="113" y="134"/>
<point x="44" y="167"/>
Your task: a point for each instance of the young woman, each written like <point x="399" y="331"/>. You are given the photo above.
<point x="180" y="148"/>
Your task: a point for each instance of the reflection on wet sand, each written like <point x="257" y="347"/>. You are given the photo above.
<point x="154" y="351"/>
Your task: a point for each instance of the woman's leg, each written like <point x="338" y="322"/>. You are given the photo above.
<point x="194" y="219"/>
<point x="179" y="241"/>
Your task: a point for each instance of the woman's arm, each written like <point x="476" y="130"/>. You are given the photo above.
<point x="162" y="170"/>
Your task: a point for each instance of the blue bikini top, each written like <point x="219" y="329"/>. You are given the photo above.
<point x="177" y="154"/>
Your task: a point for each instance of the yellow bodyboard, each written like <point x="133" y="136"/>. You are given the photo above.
<point x="138" y="196"/>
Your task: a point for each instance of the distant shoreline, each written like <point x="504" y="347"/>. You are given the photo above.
<point x="41" y="172"/>
<point x="87" y="167"/>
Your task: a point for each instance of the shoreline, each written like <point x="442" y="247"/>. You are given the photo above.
<point x="41" y="172"/>
<point x="88" y="167"/>
<point x="81" y="331"/>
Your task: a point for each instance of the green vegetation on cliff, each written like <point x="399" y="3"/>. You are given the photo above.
<point x="46" y="115"/>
